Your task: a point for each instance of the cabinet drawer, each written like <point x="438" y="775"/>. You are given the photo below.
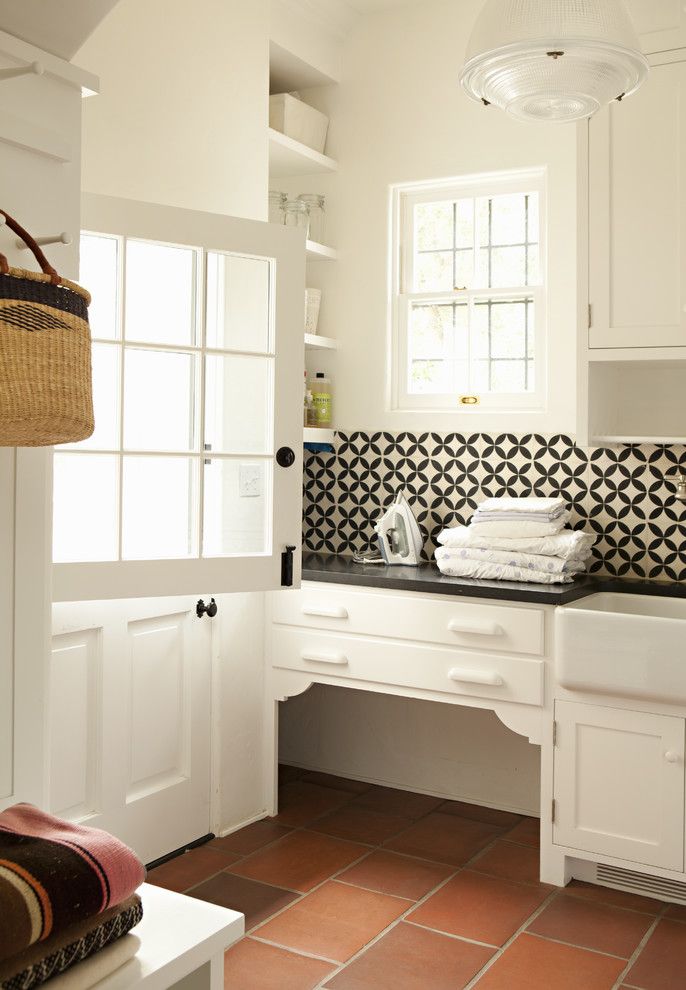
<point x="407" y="665"/>
<point x="469" y="625"/>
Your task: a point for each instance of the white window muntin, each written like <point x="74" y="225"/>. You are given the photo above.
<point x="404" y="200"/>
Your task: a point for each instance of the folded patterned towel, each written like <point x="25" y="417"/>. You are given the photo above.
<point x="54" y="874"/>
<point x="527" y="561"/>
<point x="486" y="571"/>
<point x="517" y="528"/>
<point x="45" y="960"/>
<point x="567" y="544"/>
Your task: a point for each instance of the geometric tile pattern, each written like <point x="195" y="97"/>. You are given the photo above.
<point x="440" y="911"/>
<point x="622" y="494"/>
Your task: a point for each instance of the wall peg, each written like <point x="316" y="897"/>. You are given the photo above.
<point x="32" y="69"/>
<point x="63" y="238"/>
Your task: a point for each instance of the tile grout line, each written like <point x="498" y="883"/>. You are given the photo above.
<point x="575" y="945"/>
<point x="639" y="948"/>
<point x="402" y="918"/>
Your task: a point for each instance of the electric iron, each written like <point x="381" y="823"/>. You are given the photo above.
<point x="400" y="539"/>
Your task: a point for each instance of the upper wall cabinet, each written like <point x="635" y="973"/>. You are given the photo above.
<point x="637" y="211"/>
<point x="660" y="23"/>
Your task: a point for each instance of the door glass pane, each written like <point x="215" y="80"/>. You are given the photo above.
<point x="160" y="293"/>
<point x="238" y="303"/>
<point x="99" y="274"/>
<point x="106" y="397"/>
<point x="158" y="498"/>
<point x="159" y="395"/>
<point x="85" y="507"/>
<point x="238" y="404"/>
<point x="237" y="496"/>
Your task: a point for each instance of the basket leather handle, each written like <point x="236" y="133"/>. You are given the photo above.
<point x="30" y="242"/>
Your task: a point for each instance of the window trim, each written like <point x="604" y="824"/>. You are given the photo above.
<point x="404" y="197"/>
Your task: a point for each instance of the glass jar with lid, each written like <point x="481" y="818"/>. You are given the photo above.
<point x="317" y="210"/>
<point x="277" y="202"/>
<point x="296" y="214"/>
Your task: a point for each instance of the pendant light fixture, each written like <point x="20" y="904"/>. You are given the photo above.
<point x="553" y="60"/>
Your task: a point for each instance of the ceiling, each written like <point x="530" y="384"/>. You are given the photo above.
<point x="372" y="6"/>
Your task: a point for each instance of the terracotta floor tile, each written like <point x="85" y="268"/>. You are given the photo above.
<point x="287" y="774"/>
<point x="402" y="876"/>
<point x="301" y="803"/>
<point x="677" y="912"/>
<point x="247" y="840"/>
<point x="592" y="926"/>
<point x="390" y="801"/>
<point x="527" y="833"/>
<point x="532" y="963"/>
<point x="252" y="965"/>
<point x="339" y="783"/>
<point x="335" y="921"/>
<point x="492" y="816"/>
<point x="662" y="963"/>
<point x="410" y="958"/>
<point x="506" y="859"/>
<point x="361" y="825"/>
<point x="486" y="909"/>
<point x="300" y="861"/>
<point x="190" y="868"/>
<point x="444" y="838"/>
<point x="257" y="901"/>
<point x="618" y="898"/>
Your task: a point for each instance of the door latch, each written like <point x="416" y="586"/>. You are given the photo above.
<point x="210" y="610"/>
<point x="287" y="567"/>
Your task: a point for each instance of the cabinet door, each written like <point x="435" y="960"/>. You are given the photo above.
<point x="661" y="24"/>
<point x="619" y="784"/>
<point x="637" y="206"/>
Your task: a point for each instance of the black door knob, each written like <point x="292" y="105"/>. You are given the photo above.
<point x="285" y="457"/>
<point x="202" y="609"/>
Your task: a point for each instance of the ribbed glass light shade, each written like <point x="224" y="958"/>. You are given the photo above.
<point x="555" y="60"/>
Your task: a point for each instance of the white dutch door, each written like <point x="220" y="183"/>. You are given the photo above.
<point x="189" y="488"/>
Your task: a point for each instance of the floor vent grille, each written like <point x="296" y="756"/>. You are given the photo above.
<point x="641" y="883"/>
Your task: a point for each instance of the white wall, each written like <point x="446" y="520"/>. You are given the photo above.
<point x="445" y="750"/>
<point x="399" y="116"/>
<point x="181" y="119"/>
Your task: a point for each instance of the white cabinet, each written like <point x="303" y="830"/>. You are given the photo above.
<point x="637" y="214"/>
<point x="619" y="784"/>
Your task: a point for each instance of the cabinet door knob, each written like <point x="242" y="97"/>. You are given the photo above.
<point x="672" y="757"/>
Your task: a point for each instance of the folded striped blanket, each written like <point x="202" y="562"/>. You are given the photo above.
<point x="54" y="874"/>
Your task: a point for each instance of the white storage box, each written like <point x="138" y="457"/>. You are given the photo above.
<point x="298" y="120"/>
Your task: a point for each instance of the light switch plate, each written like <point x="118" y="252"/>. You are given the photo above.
<point x="249" y="480"/>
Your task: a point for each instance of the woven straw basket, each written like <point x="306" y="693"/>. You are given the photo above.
<point x="45" y="354"/>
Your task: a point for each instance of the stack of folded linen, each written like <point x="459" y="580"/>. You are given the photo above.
<point x="516" y="539"/>
<point x="66" y="892"/>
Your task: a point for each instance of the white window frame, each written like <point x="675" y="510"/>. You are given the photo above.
<point x="403" y="200"/>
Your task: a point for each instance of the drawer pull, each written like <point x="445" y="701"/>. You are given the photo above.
<point x="476" y="628"/>
<point x="326" y="613"/>
<point x="336" y="658"/>
<point x="475" y="676"/>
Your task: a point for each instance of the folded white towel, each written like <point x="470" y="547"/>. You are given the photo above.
<point x="517" y="528"/>
<point x="499" y="572"/>
<point x="551" y="507"/>
<point x="527" y="561"/>
<point x="567" y="544"/>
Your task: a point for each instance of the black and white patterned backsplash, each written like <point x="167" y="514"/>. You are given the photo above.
<point x="619" y="494"/>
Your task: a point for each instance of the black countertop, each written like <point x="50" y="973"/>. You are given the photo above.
<point x="336" y="569"/>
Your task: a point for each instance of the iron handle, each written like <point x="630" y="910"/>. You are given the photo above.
<point x="285" y="457"/>
<point x="476" y="628"/>
<point x="209" y="610"/>
<point x="476" y="677"/>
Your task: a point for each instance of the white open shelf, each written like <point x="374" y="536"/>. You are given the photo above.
<point x="313" y="434"/>
<point x="320" y="252"/>
<point x="316" y="343"/>
<point x="289" y="157"/>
